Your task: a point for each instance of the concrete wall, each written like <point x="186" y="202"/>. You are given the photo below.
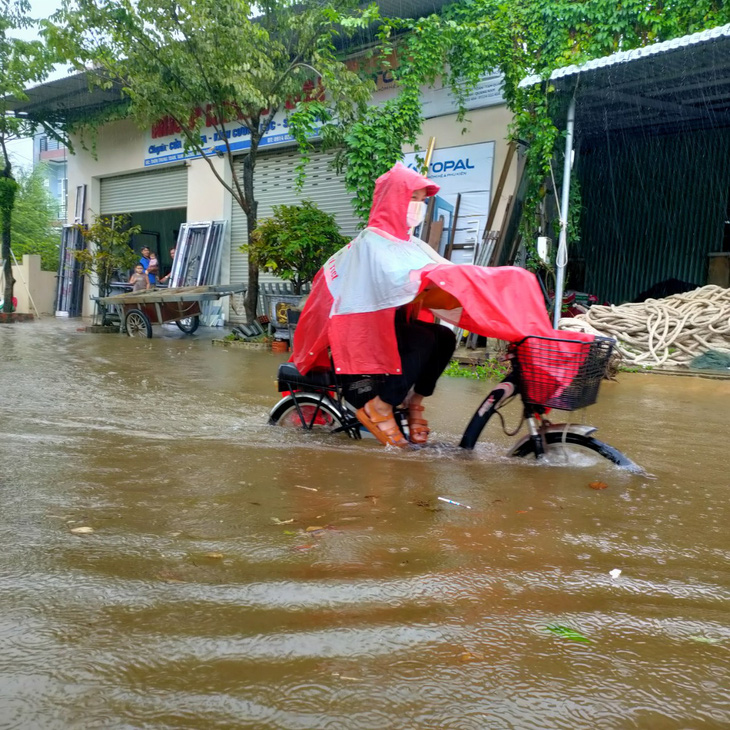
<point x="41" y="284"/>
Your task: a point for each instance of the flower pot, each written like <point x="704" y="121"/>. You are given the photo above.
<point x="279" y="346"/>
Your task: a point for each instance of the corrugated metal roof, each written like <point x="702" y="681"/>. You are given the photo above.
<point x="685" y="41"/>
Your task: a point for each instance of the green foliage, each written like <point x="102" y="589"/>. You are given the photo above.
<point x="295" y="242"/>
<point x="242" y="61"/>
<point x="374" y="144"/>
<point x="35" y="227"/>
<point x="491" y="370"/>
<point x="517" y="38"/>
<point x="108" y="250"/>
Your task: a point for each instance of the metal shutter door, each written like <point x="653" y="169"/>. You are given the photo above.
<point x="274" y="179"/>
<point x="148" y="190"/>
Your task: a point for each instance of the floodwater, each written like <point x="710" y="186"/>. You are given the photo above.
<point x="200" y="601"/>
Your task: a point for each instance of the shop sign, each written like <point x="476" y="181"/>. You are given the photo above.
<point x="466" y="169"/>
<point x="171" y="148"/>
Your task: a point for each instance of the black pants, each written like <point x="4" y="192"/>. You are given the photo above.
<point x="425" y="350"/>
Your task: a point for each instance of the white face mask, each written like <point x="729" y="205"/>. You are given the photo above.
<point x="416" y="213"/>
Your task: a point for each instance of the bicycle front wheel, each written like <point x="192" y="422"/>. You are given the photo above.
<point x="309" y="412"/>
<point x="527" y="448"/>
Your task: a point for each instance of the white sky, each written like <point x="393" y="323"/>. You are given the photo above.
<point x="22" y="150"/>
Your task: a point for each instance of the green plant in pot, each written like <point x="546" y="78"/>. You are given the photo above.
<point x="295" y="242"/>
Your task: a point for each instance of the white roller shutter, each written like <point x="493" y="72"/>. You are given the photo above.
<point x="274" y="183"/>
<point x="148" y="190"/>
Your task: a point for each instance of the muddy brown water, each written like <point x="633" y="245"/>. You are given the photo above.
<point x="190" y="607"/>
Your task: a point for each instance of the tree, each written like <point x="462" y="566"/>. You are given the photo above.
<point x="108" y="251"/>
<point x="296" y="241"/>
<point x="21" y="63"/>
<point x="198" y="62"/>
<point x="35" y="228"/>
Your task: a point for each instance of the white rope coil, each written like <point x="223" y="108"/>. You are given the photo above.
<point x="667" y="332"/>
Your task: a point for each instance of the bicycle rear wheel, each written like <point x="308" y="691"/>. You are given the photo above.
<point x="527" y="448"/>
<point x="310" y="412"/>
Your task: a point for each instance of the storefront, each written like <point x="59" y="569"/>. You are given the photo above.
<point x="147" y="174"/>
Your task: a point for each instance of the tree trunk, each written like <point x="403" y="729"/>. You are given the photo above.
<point x="7" y="199"/>
<point x="251" y="299"/>
<point x="7" y="263"/>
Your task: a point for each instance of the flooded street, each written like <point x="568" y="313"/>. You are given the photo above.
<point x="200" y="601"/>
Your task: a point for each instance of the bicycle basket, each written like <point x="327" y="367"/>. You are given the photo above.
<point x="563" y="374"/>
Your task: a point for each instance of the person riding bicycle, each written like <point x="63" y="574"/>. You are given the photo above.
<point x="361" y="308"/>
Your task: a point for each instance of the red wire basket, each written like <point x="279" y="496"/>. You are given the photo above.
<point x="562" y="374"/>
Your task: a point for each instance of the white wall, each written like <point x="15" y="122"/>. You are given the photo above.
<point x="33" y="283"/>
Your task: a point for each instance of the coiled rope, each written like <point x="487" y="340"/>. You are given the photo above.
<point x="667" y="332"/>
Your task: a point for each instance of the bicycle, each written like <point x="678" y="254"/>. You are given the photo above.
<point x="546" y="373"/>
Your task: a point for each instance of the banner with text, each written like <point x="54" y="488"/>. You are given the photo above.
<point x="466" y="169"/>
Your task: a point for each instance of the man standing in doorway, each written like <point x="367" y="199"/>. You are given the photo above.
<point x="145" y="261"/>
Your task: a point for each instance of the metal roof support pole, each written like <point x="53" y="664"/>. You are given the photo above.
<point x="562" y="257"/>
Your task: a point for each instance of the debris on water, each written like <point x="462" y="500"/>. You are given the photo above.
<point x="82" y="530"/>
<point x="309" y="489"/>
<point x="565" y="632"/>
<point x="316" y="528"/>
<point x="522" y="511"/>
<point x="467" y="656"/>
<point x="615" y="573"/>
<point x="277" y="521"/>
<point x="451" y="501"/>
<point x="290" y="532"/>
<point x="704" y="640"/>
<point x="597" y="485"/>
<point x="427" y="505"/>
<point x="302" y="548"/>
<point x="214" y="556"/>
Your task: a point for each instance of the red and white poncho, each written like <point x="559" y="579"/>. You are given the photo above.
<point x="351" y="308"/>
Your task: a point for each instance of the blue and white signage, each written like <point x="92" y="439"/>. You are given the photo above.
<point x="162" y="148"/>
<point x="467" y="170"/>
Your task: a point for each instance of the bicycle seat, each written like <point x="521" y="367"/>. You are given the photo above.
<point x="288" y="375"/>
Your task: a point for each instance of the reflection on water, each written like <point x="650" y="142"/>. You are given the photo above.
<point x="200" y="600"/>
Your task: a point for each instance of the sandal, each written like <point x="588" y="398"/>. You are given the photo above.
<point x="390" y="436"/>
<point x="417" y="427"/>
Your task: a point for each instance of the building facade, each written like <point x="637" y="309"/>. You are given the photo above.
<point x="147" y="174"/>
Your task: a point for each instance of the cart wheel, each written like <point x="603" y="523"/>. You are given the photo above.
<point x="138" y="324"/>
<point x="189" y="324"/>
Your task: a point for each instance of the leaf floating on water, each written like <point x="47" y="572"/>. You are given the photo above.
<point x="565" y="632"/>
<point x="214" y="556"/>
<point x="314" y="529"/>
<point x="704" y="640"/>
<point x="467" y="656"/>
<point x="82" y="530"/>
<point x="290" y="532"/>
<point x="597" y="485"/>
<point x="277" y="521"/>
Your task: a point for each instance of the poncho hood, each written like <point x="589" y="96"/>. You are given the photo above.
<point x="393" y="192"/>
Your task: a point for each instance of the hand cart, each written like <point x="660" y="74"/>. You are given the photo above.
<point x="138" y="311"/>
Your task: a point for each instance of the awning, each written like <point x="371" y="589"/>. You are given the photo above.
<point x="675" y="85"/>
